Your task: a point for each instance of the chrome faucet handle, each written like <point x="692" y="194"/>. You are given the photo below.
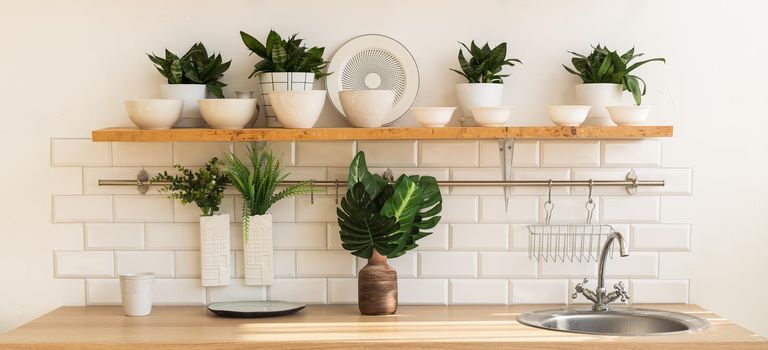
<point x="620" y="291"/>
<point x="579" y="288"/>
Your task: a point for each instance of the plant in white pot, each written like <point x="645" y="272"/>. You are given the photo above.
<point x="190" y="78"/>
<point x="286" y="65"/>
<point x="605" y="75"/>
<point x="485" y="83"/>
<point x="257" y="178"/>
<point x="205" y="188"/>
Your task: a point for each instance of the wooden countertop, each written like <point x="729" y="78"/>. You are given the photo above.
<point x="342" y="327"/>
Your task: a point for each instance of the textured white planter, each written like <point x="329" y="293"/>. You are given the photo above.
<point x="282" y="81"/>
<point x="258" y="251"/>
<point x="477" y="95"/>
<point x="190" y="94"/>
<point x="598" y="96"/>
<point x="136" y="293"/>
<point x="214" y="250"/>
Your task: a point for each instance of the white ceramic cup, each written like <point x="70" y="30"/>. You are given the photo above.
<point x="136" y="293"/>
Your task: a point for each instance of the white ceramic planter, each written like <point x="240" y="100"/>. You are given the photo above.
<point x="136" y="293"/>
<point x="190" y="94"/>
<point x="282" y="81"/>
<point x="258" y="251"/>
<point x="477" y="95"/>
<point x="214" y="250"/>
<point x="598" y="96"/>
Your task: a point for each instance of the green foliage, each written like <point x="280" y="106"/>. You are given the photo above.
<point x="194" y="67"/>
<point x="388" y="218"/>
<point x="280" y="55"/>
<point x="204" y="187"/>
<point x="485" y="63"/>
<point x="257" y="179"/>
<point x="606" y="66"/>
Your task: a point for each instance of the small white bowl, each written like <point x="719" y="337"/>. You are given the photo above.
<point x="568" y="115"/>
<point x="297" y="109"/>
<point x="154" y="114"/>
<point x="433" y="117"/>
<point x="628" y="115"/>
<point x="367" y="108"/>
<point x="227" y="113"/>
<point x="491" y="116"/>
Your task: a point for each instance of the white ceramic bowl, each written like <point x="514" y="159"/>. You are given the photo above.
<point x="491" y="116"/>
<point x="628" y="115"/>
<point x="367" y="108"/>
<point x="297" y="109"/>
<point x="433" y="117"/>
<point x="568" y="115"/>
<point x="154" y="114"/>
<point x="227" y="113"/>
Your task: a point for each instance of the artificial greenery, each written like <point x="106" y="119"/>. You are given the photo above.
<point x="280" y="55"/>
<point x="194" y="67"/>
<point x="606" y="66"/>
<point x="485" y="63"/>
<point x="386" y="217"/>
<point x="257" y="179"/>
<point x="204" y="187"/>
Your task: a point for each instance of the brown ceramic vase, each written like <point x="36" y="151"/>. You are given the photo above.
<point x="377" y="287"/>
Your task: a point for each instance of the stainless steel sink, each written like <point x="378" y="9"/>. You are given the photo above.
<point x="617" y="321"/>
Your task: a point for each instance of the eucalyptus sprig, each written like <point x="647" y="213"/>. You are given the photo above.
<point x="281" y="55"/>
<point x="485" y="64"/>
<point x="194" y="67"/>
<point x="204" y="187"/>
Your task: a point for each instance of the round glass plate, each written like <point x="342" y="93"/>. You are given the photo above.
<point x="253" y="309"/>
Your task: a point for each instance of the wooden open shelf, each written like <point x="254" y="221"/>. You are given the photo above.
<point x="403" y="133"/>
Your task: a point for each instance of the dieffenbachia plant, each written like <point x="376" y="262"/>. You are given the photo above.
<point x="385" y="217"/>
<point x="606" y="66"/>
<point x="194" y="67"/>
<point x="484" y="64"/>
<point x="204" y="187"/>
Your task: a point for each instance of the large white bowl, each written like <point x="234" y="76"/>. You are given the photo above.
<point x="154" y="114"/>
<point x="568" y="115"/>
<point x="628" y="115"/>
<point x="297" y="109"/>
<point x="491" y="116"/>
<point x="227" y="113"/>
<point x="433" y="117"/>
<point x="367" y="108"/>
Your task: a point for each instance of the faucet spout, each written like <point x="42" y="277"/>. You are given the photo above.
<point x="604" y="255"/>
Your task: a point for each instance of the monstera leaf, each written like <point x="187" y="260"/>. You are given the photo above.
<point x="404" y="204"/>
<point x="362" y="228"/>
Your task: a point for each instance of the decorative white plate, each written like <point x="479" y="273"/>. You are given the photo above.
<point x="374" y="62"/>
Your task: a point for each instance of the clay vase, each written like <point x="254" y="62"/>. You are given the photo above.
<point x="377" y="287"/>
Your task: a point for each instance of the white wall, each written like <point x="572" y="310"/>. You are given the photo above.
<point x="68" y="66"/>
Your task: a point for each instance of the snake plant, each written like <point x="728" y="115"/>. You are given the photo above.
<point x="281" y="55"/>
<point x="485" y="64"/>
<point x="194" y="67"/>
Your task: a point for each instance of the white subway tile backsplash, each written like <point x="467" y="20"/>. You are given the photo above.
<point x="191" y="213"/>
<point x="448" y="264"/>
<point x="82" y="209"/>
<point x="159" y="263"/>
<point x="300" y="236"/>
<point x="173" y="236"/>
<point x="632" y="153"/>
<point x="305" y="174"/>
<point x="569" y="269"/>
<point x="525" y="154"/>
<point x="570" y="153"/>
<point x="479" y="236"/>
<point x="661" y="237"/>
<point x="284" y="263"/>
<point x="659" y="291"/>
<point x="333" y="237"/>
<point x="304" y="290"/>
<point x="178" y="292"/>
<point x="69" y="292"/>
<point x="520" y="237"/>
<point x="191" y="154"/>
<point x="635" y="265"/>
<point x="102" y="292"/>
<point x="142" y="154"/>
<point x="629" y="209"/>
<point x="67" y="181"/>
<point x="66" y="236"/>
<point x="80" y="152"/>
<point x="438" y="240"/>
<point x="600" y="174"/>
<point x="236" y="291"/>
<point x="322" y="210"/>
<point x="440" y="153"/>
<point x="479" y="291"/>
<point x="520" y="209"/>
<point x="342" y="290"/>
<point x="84" y="264"/>
<point x="540" y="292"/>
<point x="507" y="264"/>
<point x="523" y="174"/>
<point x="187" y="264"/>
<point x="472" y="174"/>
<point x="422" y="291"/>
<point x="141" y="208"/>
<point x="114" y="236"/>
<point x="325" y="263"/>
<point x="389" y="153"/>
<point x="325" y="153"/>
<point x="459" y="209"/>
<point x="405" y="265"/>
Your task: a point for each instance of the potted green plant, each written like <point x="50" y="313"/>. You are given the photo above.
<point x="205" y="188"/>
<point x="485" y="83"/>
<point x="190" y="77"/>
<point x="286" y="65"/>
<point x="605" y="75"/>
<point x="257" y="179"/>
<point x="380" y="220"/>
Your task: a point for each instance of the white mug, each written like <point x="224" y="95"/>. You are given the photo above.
<point x="136" y="293"/>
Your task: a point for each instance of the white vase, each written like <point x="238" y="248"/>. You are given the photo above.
<point x="190" y="94"/>
<point x="598" y="96"/>
<point x="281" y="81"/>
<point x="214" y="250"/>
<point x="477" y="95"/>
<point x="258" y="251"/>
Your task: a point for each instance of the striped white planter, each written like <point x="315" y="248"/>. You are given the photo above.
<point x="282" y="81"/>
<point x="258" y="251"/>
<point x="214" y="250"/>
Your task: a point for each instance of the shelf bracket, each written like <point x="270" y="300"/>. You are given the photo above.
<point x="632" y="176"/>
<point x="506" y="153"/>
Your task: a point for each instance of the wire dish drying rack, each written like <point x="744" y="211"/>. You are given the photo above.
<point x="567" y="242"/>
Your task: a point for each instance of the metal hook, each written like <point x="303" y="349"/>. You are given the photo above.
<point x="336" y="185"/>
<point x="590" y="206"/>
<point x="548" y="205"/>
<point x="311" y="192"/>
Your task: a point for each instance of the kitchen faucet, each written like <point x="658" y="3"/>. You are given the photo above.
<point x="600" y="297"/>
